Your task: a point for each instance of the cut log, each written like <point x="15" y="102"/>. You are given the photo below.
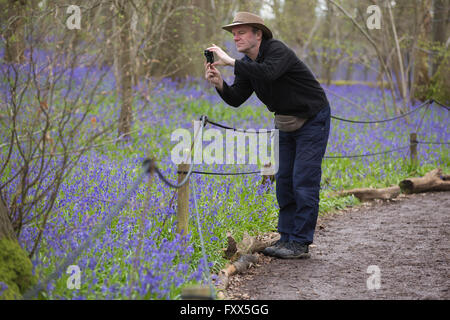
<point x="243" y="255"/>
<point x="248" y="245"/>
<point x="198" y="292"/>
<point x="243" y="263"/>
<point x="231" y="249"/>
<point x="367" y="194"/>
<point x="432" y="181"/>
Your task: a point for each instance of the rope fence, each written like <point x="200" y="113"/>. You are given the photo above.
<point x="234" y="129"/>
<point x="367" y="154"/>
<point x="184" y="172"/>
<point x="432" y="142"/>
<point x="426" y="103"/>
<point x="414" y="141"/>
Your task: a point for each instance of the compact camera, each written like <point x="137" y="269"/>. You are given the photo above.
<point x="209" y="56"/>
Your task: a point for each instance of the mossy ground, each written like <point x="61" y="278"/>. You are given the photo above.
<point x="15" y="270"/>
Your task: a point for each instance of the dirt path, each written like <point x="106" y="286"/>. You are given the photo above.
<point x="408" y="240"/>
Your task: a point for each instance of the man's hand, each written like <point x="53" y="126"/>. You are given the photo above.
<point x="213" y="76"/>
<point x="224" y="59"/>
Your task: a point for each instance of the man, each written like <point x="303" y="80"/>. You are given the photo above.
<point x="302" y="114"/>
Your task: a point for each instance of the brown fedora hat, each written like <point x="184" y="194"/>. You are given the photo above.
<point x="251" y="19"/>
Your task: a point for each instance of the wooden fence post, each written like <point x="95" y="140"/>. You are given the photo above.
<point x="183" y="201"/>
<point x="413" y="148"/>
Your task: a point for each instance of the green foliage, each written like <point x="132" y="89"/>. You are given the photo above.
<point x="239" y="211"/>
<point x="438" y="87"/>
<point x="440" y="83"/>
<point x="15" y="269"/>
<point x="329" y="203"/>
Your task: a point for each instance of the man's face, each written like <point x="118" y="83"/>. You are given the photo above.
<point x="245" y="39"/>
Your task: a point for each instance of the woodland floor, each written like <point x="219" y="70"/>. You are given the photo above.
<point x="408" y="239"/>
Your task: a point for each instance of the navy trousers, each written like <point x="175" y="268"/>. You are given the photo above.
<point x="298" y="177"/>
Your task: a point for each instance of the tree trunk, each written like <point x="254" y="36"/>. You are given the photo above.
<point x="366" y="73"/>
<point x="125" y="69"/>
<point x="135" y="62"/>
<point x="421" y="66"/>
<point x="349" y="72"/>
<point x="6" y="228"/>
<point x="183" y="32"/>
<point x="250" y="6"/>
<point x="401" y="68"/>
<point x="440" y="8"/>
<point x="326" y="53"/>
<point x="115" y="46"/>
<point x="14" y="34"/>
<point x="15" y="266"/>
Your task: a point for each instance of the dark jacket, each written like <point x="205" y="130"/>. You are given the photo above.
<point x="279" y="79"/>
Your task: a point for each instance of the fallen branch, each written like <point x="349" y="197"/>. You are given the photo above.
<point x="243" y="263"/>
<point x="432" y="181"/>
<point x="248" y="245"/>
<point x="243" y="255"/>
<point x="367" y="194"/>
